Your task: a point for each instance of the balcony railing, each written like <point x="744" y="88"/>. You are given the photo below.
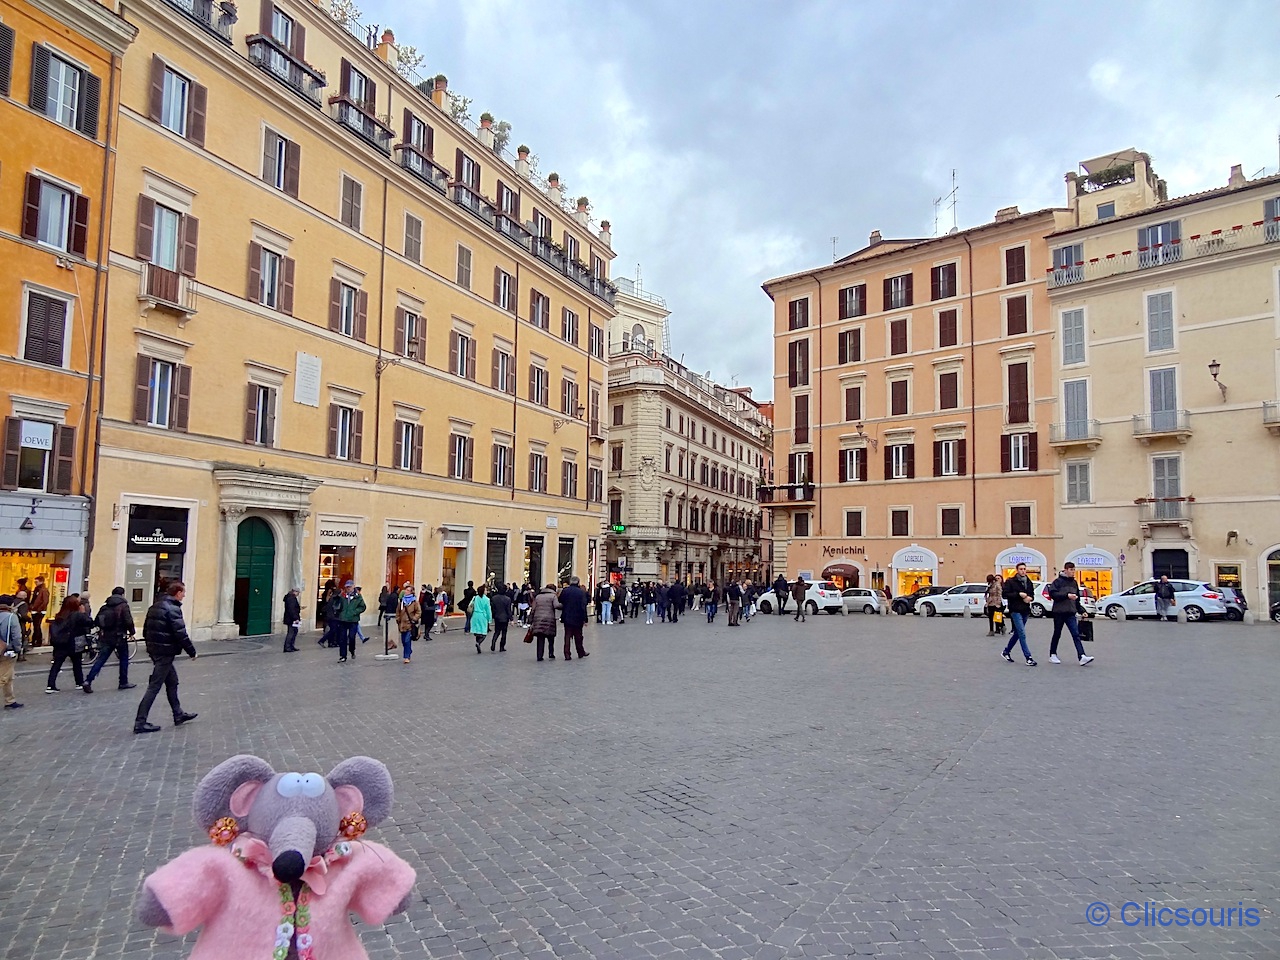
<point x="512" y="229"/>
<point x="554" y="256"/>
<point x="1238" y="237"/>
<point x="1166" y="423"/>
<point x="167" y="289"/>
<point x="1075" y="431"/>
<point x="785" y="493"/>
<point x="363" y="124"/>
<point x="1165" y="509"/>
<point x="300" y="77"/>
<point x="473" y="202"/>
<point x="217" y="20"/>
<point x="425" y="169"/>
<point x="1018" y="411"/>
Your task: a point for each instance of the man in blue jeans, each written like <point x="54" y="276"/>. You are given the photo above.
<point x="1017" y="594"/>
<point x="1065" y="594"/>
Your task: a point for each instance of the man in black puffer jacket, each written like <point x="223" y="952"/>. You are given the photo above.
<point x="115" y="624"/>
<point x="165" y="633"/>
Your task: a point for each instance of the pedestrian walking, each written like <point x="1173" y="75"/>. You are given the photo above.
<point x="39" y="606"/>
<point x="606" y="605"/>
<point x="649" y="597"/>
<point x="780" y="591"/>
<point x="442" y="604"/>
<point x="662" y="597"/>
<point x="1018" y="592"/>
<point x="502" y="605"/>
<point x="68" y="634"/>
<point x="1065" y="594"/>
<point x="165" y="633"/>
<point x="292" y="621"/>
<point x="573" y="614"/>
<point x="330" y="607"/>
<point x="713" y="596"/>
<point x="353" y="606"/>
<point x="994" y="601"/>
<point x="733" y="602"/>
<point x="1166" y="599"/>
<point x="798" y="591"/>
<point x="467" y="596"/>
<point x="408" y="621"/>
<point x="479" y="615"/>
<point x="115" y="626"/>
<point x="542" y="620"/>
<point x="22" y="610"/>
<point x="427" y="607"/>
<point x="10" y="647"/>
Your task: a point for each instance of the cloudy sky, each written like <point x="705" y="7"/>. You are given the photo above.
<point x="729" y="142"/>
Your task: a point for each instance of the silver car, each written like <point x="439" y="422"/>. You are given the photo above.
<point x="863" y="600"/>
<point x="1196" y="599"/>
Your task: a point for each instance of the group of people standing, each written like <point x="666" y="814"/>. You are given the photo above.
<point x="663" y="602"/>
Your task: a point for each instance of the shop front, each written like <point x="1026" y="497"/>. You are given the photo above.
<point x="533" y="547"/>
<point x="337" y="539"/>
<point x="155" y="552"/>
<point x="495" y="558"/>
<point x="844" y="575"/>
<point x="913" y="567"/>
<point x="454" y="548"/>
<point x="402" y="553"/>
<point x="564" y="560"/>
<point x="1007" y="563"/>
<point x="1097" y="569"/>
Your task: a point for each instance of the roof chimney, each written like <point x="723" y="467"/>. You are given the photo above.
<point x="875" y="238"/>
<point x="1237" y="177"/>
<point x="1007" y="213"/>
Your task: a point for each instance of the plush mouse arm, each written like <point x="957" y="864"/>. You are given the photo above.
<point x="383" y="884"/>
<point x="186" y="891"/>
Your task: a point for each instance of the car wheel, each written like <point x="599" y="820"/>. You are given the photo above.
<point x="811" y="608"/>
<point x="1037" y="611"/>
<point x="766" y="606"/>
<point x="1194" y="614"/>
<point x="1113" y="612"/>
<point x="1275" y="615"/>
<point x="927" y="609"/>
<point x="1234" y="614"/>
<point x="901" y="610"/>
<point x="868" y="609"/>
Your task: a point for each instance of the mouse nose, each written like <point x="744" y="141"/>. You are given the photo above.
<point x="289" y="866"/>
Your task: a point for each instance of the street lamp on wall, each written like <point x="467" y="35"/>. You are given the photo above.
<point x="1214" y="367"/>
<point x="559" y="422"/>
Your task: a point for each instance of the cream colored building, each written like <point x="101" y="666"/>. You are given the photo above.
<point x="349" y="338"/>
<point x="1167" y="369"/>
<point x="684" y="457"/>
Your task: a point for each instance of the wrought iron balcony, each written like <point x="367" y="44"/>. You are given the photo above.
<point x="1166" y="423"/>
<point x="783" y="493"/>
<point x="1159" y="253"/>
<point x="422" y="167"/>
<point x="554" y="256"/>
<point x="1076" y="432"/>
<point x="512" y="229"/>
<point x="473" y="202"/>
<point x="300" y="77"/>
<point x="1165" y="512"/>
<point x="355" y="117"/>
<point x="214" y="18"/>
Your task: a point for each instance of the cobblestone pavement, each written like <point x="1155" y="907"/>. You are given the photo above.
<point x="851" y="786"/>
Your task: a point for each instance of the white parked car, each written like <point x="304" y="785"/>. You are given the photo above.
<point x="821" y="595"/>
<point x="1194" y="598"/>
<point x="864" y="600"/>
<point x="959" y="600"/>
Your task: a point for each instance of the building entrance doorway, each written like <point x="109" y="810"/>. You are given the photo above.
<point x="255" y="577"/>
<point x="533" y="562"/>
<point x="1173" y="564"/>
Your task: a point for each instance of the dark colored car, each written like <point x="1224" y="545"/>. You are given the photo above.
<point x="1275" y="611"/>
<point x="904" y="605"/>
<point x="1235" y="603"/>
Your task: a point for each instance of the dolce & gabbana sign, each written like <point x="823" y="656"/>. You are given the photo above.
<point x="337" y="531"/>
<point x="844" y="551"/>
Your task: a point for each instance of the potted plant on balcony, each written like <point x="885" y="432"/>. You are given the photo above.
<point x="583" y="203"/>
<point x="522" y="151"/>
<point x="486" y="120"/>
<point x="553" y="179"/>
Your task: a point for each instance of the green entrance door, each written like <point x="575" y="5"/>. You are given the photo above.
<point x="255" y="574"/>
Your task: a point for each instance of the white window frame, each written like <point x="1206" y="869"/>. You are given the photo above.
<point x="265" y="410"/>
<point x="465" y="345"/>
<point x="347" y="297"/>
<point x="540" y="468"/>
<point x="1068" y="482"/>
<point x="861" y="514"/>
<point x="1004" y="269"/>
<point x="898" y="297"/>
<point x="64" y="78"/>
<point x="949" y="458"/>
<point x="506" y="291"/>
<point x="898" y="461"/>
<point x="282" y="27"/>
<point x="46" y="459"/>
<point x="166" y="237"/>
<point x="271" y="268"/>
<point x="569" y="326"/>
<point x="408" y="441"/>
<point x="346" y="422"/>
<point x="1019" y="452"/>
<point x="175" y="100"/>
<point x="541" y="386"/>
<point x="505" y="361"/>
<point x="504" y="463"/>
<point x="57" y="209"/>
<point x="160" y="388"/>
<point x="938" y="371"/>
<point x="457" y="456"/>
<point x="911" y="525"/>
<point x="412" y="328"/>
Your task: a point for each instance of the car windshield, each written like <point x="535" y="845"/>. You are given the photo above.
<point x="827" y="585"/>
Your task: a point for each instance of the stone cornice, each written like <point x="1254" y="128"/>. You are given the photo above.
<point x="92" y="20"/>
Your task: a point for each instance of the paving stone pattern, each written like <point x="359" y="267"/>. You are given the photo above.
<point x="851" y="786"/>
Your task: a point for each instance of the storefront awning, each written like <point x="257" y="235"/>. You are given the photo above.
<point x="839" y="570"/>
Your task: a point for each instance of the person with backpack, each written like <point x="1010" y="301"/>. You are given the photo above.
<point x="115" y="627"/>
<point x="10" y="645"/>
<point x="479" y="615"/>
<point x="780" y="592"/>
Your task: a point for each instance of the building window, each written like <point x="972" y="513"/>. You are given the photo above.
<point x="46" y="329"/>
<point x="462" y="355"/>
<point x="1019" y="521"/>
<point x="260" y="416"/>
<point x="539" y="309"/>
<point x="504" y="466"/>
<point x="942" y="282"/>
<point x="1166" y="484"/>
<point x="948" y="328"/>
<point x="504" y="290"/>
<point x="160" y="394"/>
<point x="802" y="524"/>
<point x="898" y="343"/>
<point x="800" y="419"/>
<point x="1163" y="385"/>
<point x="901" y="461"/>
<point x="464" y="266"/>
<point x="1075" y="409"/>
<point x="539" y="386"/>
<point x="897" y="292"/>
<point x="1019" y="451"/>
<point x="282" y="27"/>
<point x="899" y="523"/>
<point x="569" y="479"/>
<point x="949" y="390"/>
<point x="1019" y="408"/>
<point x="347" y="310"/>
<point x="1160" y="243"/>
<point x="1073" y="335"/>
<point x="538" y="472"/>
<point x="1106" y="210"/>
<point x="408" y="451"/>
<point x="569" y="397"/>
<point x="175" y="93"/>
<point x="615" y="457"/>
<point x="596" y="342"/>
<point x="1078" y="490"/>
<point x="849" y="346"/>
<point x="1015" y="265"/>
<point x="593" y="411"/>
<point x="1068" y="263"/>
<point x="853" y="465"/>
<point x="798" y="314"/>
<point x="595" y="484"/>
<point x="411" y="335"/>
<point x="352" y="194"/>
<point x="853" y="301"/>
<point x="569" y="326"/>
<point x="166" y="225"/>
<point x="1015" y="311"/>
<point x="853" y="523"/>
<point x="853" y="404"/>
<point x="280" y="161"/>
<point x="797" y="363"/>
<point x="342" y="429"/>
<point x="570" y="246"/>
<point x="412" y="238"/>
<point x="617" y="414"/>
<point x="667" y="460"/>
<point x="1159" y="321"/>
<point x="37" y="456"/>
<point x="55" y="216"/>
<point x="899" y="404"/>
<point x="460" y="456"/>
<point x="62" y="98"/>
<point x="615" y="511"/>
<point x="951" y="522"/>
<point x="269" y="279"/>
<point x="946" y="461"/>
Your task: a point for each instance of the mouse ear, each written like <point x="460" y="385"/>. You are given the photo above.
<point x="214" y="793"/>
<point x="372" y="779"/>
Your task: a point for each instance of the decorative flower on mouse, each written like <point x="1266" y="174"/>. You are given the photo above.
<point x="286" y="865"/>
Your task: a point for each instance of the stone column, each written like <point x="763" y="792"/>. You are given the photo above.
<point x="298" y="577"/>
<point x="231" y="517"/>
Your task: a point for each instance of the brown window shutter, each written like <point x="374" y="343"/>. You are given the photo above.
<point x="497" y="287"/>
<point x="251" y="413"/>
<point x="145" y="237"/>
<point x="937" y="458"/>
<point x="141" y="388"/>
<point x="431" y="142"/>
<point x="266" y="14"/>
<point x="90" y="104"/>
<point x="407" y="126"/>
<point x="181" y="398"/>
<point x="909" y="281"/>
<point x="269" y="140"/>
<point x="398" y="430"/>
<point x="471" y="359"/>
<point x="962" y="457"/>
<point x="888" y="462"/>
<point x="333" y="430"/>
<point x="357" y="436"/>
<point x="493" y="467"/>
<point x="1033" y="451"/>
<point x="948" y="391"/>
<point x="362" y="316"/>
<point x="6" y="59"/>
<point x="860" y="459"/>
<point x="12" y="452"/>
<point x="457" y="167"/>
<point x="935" y="283"/>
<point x="422" y="340"/>
<point x="31" y="209"/>
<point x="453" y="351"/>
<point x="468" y="446"/>
<point x="1017" y="311"/>
<point x="189" y="244"/>
<point x="888" y="293"/>
<point x="911" y="460"/>
<point x="344" y="209"/>
<point x="495" y="372"/>
<point x="335" y="303"/>
<point x="371" y="91"/>
<point x="400" y="344"/>
<point x="843" y="461"/>
<point x="254" y="294"/>
<point x="286" y="286"/>
<point x="64" y="448"/>
<point x="270" y="430"/>
<point x="533" y="384"/>
<point x="357" y="201"/>
<point x="80" y="226"/>
<point x="842" y="348"/>
<point x="417" y="449"/>
<point x="533" y="473"/>
<point x="344" y="84"/>
<point x="197" y="111"/>
<point x="511" y="377"/>
<point x="292" y="163"/>
<point x="299" y="39"/>
<point x="1006" y="457"/>
<point x="39" y="78"/>
<point x="156" y="98"/>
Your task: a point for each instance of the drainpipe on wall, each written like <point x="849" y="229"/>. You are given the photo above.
<point x="971" y="466"/>
<point x="377" y="363"/>
<point x="817" y="416"/>
<point x="515" y="398"/>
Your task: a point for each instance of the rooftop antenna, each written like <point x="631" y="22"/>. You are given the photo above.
<point x="639" y="279"/>
<point x="834" y="241"/>
<point x="949" y="200"/>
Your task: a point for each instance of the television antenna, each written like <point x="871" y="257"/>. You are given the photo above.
<point x="948" y="200"/>
<point x="834" y="241"/>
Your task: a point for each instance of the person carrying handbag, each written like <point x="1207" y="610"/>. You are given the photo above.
<point x="408" y="621"/>
<point x="994" y="603"/>
<point x="69" y="635"/>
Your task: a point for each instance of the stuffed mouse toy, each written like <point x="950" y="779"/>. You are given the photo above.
<point x="285" y="866"/>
